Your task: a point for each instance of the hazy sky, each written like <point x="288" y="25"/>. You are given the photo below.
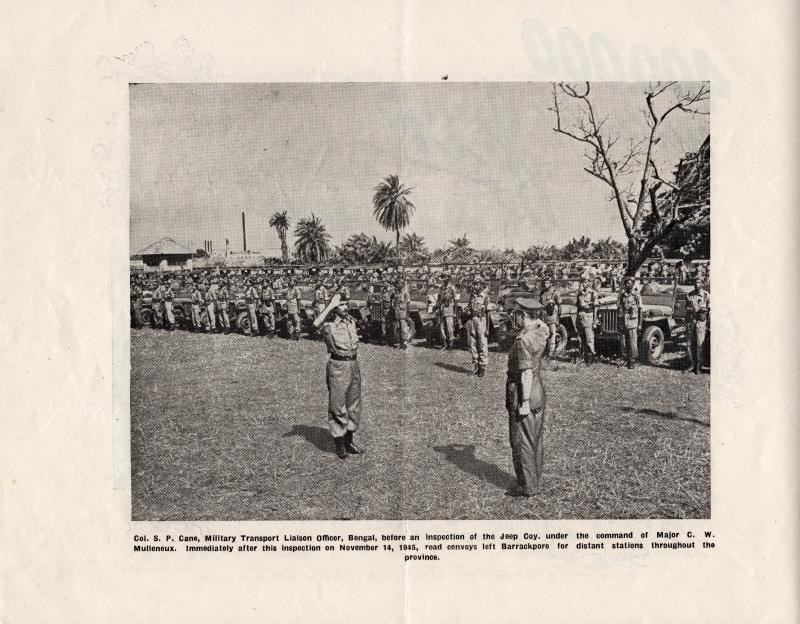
<point x="482" y="159"/>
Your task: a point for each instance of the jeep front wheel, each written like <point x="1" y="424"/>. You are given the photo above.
<point x="562" y="338"/>
<point x="651" y="346"/>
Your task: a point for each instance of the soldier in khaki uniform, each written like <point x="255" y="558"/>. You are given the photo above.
<point x="212" y="292"/>
<point x="198" y="301"/>
<point x="400" y="302"/>
<point x="343" y="376"/>
<point x="293" y="325"/>
<point x="251" y="300"/>
<point x="550" y="299"/>
<point x="387" y="320"/>
<point x="525" y="403"/>
<point x="223" y="303"/>
<point x="698" y="309"/>
<point x="478" y="326"/>
<point x="168" y="297"/>
<point x="446" y="308"/>
<point x="586" y="303"/>
<point x="137" y="292"/>
<point x="267" y="307"/>
<point x="158" y="306"/>
<point x="630" y="321"/>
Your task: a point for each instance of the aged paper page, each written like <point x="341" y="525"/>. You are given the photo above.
<point x="237" y="386"/>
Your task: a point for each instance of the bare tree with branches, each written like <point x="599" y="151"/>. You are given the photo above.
<point x="647" y="214"/>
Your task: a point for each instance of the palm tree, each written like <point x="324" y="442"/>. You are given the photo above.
<point x="312" y="240"/>
<point x="413" y="247"/>
<point x="280" y="222"/>
<point x="392" y="208"/>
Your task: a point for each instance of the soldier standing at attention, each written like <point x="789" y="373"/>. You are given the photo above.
<point x="478" y="326"/>
<point x="446" y="305"/>
<point x="343" y="374"/>
<point x="251" y="299"/>
<point x="387" y="323"/>
<point x="586" y="303"/>
<point x="698" y="309"/>
<point x="223" y="302"/>
<point x="630" y="321"/>
<point x="525" y="403"/>
<point x="268" y="307"/>
<point x="550" y="299"/>
<point x="212" y="292"/>
<point x="400" y="304"/>
<point x="293" y="311"/>
<point x="136" y="303"/>
<point x="158" y="306"/>
<point x="197" y="303"/>
<point x="169" y="312"/>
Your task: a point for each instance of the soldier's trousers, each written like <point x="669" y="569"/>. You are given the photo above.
<point x="401" y="330"/>
<point x="344" y="396"/>
<point x="293" y="325"/>
<point x="478" y="342"/>
<point x="212" y="316"/>
<point x="158" y="315"/>
<point x="526" y="434"/>
<point x="268" y="318"/>
<point x="696" y="331"/>
<point x="251" y="312"/>
<point x="222" y="316"/>
<point x="136" y="315"/>
<point x="169" y="314"/>
<point x="629" y="343"/>
<point x="586" y="333"/>
<point x="197" y="319"/>
<point x="446" y="329"/>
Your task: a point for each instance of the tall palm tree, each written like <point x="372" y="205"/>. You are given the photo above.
<point x="392" y="208"/>
<point x="311" y="244"/>
<point x="280" y="222"/>
<point x="413" y="247"/>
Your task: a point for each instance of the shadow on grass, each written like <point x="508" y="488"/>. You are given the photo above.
<point x="646" y="411"/>
<point x="463" y="456"/>
<point x="454" y="368"/>
<point x="319" y="437"/>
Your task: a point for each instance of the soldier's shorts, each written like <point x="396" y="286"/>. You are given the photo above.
<point x="344" y="396"/>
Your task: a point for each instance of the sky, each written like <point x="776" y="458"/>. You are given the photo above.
<point x="482" y="159"/>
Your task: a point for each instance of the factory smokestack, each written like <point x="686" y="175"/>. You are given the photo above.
<point x="244" y="234"/>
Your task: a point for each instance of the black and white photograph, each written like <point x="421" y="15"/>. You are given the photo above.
<point x="420" y="300"/>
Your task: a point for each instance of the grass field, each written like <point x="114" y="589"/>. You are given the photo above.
<point x="234" y="428"/>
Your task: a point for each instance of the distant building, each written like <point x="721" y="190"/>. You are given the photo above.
<point x="165" y="254"/>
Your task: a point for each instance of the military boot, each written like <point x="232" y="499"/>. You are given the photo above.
<point x="481" y="371"/>
<point x="341" y="451"/>
<point x="350" y="446"/>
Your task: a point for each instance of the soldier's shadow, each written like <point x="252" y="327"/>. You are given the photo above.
<point x="319" y="437"/>
<point x="463" y="456"/>
<point x="453" y="367"/>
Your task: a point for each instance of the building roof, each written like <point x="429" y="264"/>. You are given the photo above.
<point x="164" y="247"/>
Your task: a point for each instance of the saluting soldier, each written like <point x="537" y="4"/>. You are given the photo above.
<point x="630" y="321"/>
<point x="550" y="299"/>
<point x="400" y="303"/>
<point x="343" y="374"/>
<point x="223" y="303"/>
<point x="586" y="303"/>
<point x="525" y="403"/>
<point x="293" y="326"/>
<point x="197" y="303"/>
<point x="478" y="326"/>
<point x="446" y="306"/>
<point x="251" y="300"/>
<point x="698" y="309"/>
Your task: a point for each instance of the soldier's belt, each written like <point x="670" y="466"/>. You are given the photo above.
<point x="343" y="358"/>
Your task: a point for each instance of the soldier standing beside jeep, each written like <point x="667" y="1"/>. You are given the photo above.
<point x="697" y="311"/>
<point x="586" y="303"/>
<point x="550" y="299"/>
<point x="630" y="321"/>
